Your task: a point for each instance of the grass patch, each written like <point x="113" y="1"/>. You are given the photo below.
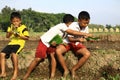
<point x="108" y="51"/>
<point x="105" y="33"/>
<point x="2" y="33"/>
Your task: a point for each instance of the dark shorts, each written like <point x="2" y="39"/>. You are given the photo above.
<point x="10" y="49"/>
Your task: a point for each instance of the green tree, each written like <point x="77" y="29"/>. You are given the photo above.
<point x="4" y="17"/>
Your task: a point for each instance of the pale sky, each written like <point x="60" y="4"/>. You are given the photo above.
<point x="101" y="11"/>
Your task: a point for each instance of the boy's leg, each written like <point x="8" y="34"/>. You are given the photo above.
<point x="39" y="55"/>
<point x="86" y="55"/>
<point x="60" y="51"/>
<point x="14" y="59"/>
<point x="31" y="67"/>
<point x="53" y="65"/>
<point x="2" y="61"/>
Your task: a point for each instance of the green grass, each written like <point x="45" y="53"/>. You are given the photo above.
<point x="94" y="33"/>
<point x="36" y="33"/>
<point x="2" y="33"/>
<point x="105" y="33"/>
<point x="116" y="77"/>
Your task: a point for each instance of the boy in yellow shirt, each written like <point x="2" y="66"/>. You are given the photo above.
<point x="18" y="34"/>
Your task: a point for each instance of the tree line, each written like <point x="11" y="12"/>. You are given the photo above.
<point x="35" y="21"/>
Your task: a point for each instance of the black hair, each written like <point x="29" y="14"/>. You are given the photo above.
<point x="68" y="18"/>
<point x="84" y="15"/>
<point x="15" y="14"/>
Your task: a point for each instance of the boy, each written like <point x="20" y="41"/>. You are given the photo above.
<point x="18" y="34"/>
<point x="74" y="43"/>
<point x="44" y="42"/>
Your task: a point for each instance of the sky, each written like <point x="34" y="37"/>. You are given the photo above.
<point x="101" y="11"/>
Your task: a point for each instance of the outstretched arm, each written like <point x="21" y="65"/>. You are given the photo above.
<point x="73" y="32"/>
<point x="72" y="39"/>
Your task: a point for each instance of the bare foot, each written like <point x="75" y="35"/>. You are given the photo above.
<point x="52" y="75"/>
<point x="3" y="75"/>
<point x="66" y="73"/>
<point x="72" y="73"/>
<point x="74" y="76"/>
<point x="25" y="77"/>
<point x="14" y="78"/>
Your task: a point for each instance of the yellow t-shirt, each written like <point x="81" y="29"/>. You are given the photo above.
<point x="22" y="31"/>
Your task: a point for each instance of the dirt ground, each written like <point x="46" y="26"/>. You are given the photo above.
<point x="103" y="63"/>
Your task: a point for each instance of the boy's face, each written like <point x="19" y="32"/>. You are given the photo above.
<point x="83" y="22"/>
<point x="68" y="24"/>
<point x="16" y="21"/>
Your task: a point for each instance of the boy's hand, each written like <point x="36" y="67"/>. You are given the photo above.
<point x="92" y="39"/>
<point x="16" y="34"/>
<point x="11" y="32"/>
<point x="89" y="35"/>
<point x="53" y="43"/>
<point x="82" y="39"/>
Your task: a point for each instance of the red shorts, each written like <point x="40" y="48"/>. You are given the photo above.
<point x="74" y="47"/>
<point x="51" y="50"/>
<point x="41" y="50"/>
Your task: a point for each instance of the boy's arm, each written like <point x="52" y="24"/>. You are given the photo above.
<point x="73" y="32"/>
<point x="8" y="34"/>
<point x="24" y="37"/>
<point x="72" y="39"/>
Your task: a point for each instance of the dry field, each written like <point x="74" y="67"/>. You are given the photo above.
<point x="104" y="63"/>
